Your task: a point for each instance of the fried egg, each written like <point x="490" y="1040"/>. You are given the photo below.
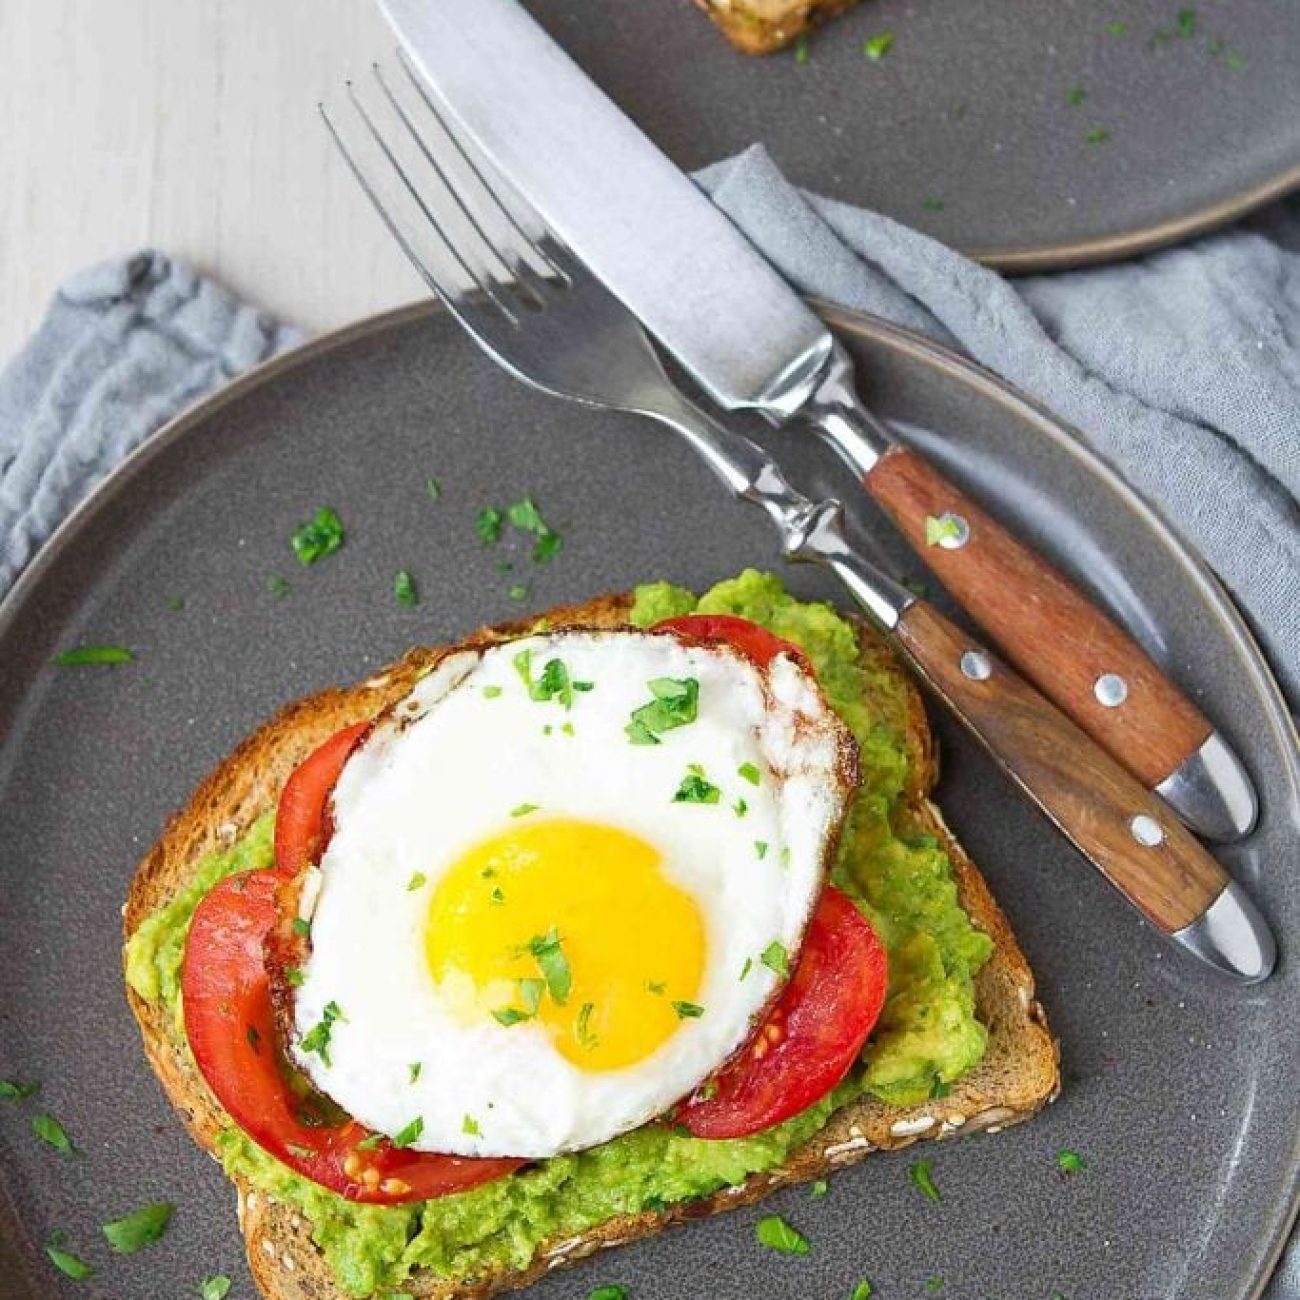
<point x="567" y="876"/>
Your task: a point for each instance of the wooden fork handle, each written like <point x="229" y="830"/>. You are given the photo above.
<point x="1129" y="834"/>
<point x="1046" y="626"/>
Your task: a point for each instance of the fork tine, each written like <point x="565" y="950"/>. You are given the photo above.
<point x="491" y="190"/>
<point x="480" y="276"/>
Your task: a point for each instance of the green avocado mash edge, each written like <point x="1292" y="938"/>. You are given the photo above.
<point x="928" y="1035"/>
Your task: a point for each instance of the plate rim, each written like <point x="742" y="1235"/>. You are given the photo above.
<point x="1099" y="250"/>
<point x="847" y="320"/>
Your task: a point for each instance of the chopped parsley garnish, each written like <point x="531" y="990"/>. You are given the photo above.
<point x="277" y="586"/>
<point x="409" y="1133"/>
<point x="749" y="772"/>
<point x="414" y="1070"/>
<point x="747" y="967"/>
<point x="1071" y="1161"/>
<point x="1116" y="27"/>
<point x="1075" y="96"/>
<point x="525" y="516"/>
<point x="53" y="1134"/>
<point x="518" y="592"/>
<point x="433" y="488"/>
<point x="776" y="958"/>
<point x="760" y="849"/>
<point x="139" y="1228"/>
<point x="919" y="1172"/>
<point x="404" y="591"/>
<point x="216" y="1287"/>
<point x="675" y="704"/>
<point x="508" y="1016"/>
<point x="877" y="46"/>
<point x="586" y="1039"/>
<point x="688" y="1010"/>
<point x="554" y="683"/>
<point x="567" y="729"/>
<point x="491" y="692"/>
<point x="1096" y="135"/>
<point x="470" y="1126"/>
<point x="740" y="807"/>
<point x="94" y="654"/>
<point x="819" y="1189"/>
<point x="934" y="1284"/>
<point x="611" y="1291"/>
<point x="657" y="987"/>
<point x="318" y="1039"/>
<point x="417" y="881"/>
<point x="175" y="604"/>
<point x="802" y="53"/>
<point x="13" y="1091"/>
<point x="489" y="524"/>
<point x="301" y="926"/>
<point x="862" y="1291"/>
<point x="371" y="1143"/>
<point x="523" y="809"/>
<point x="1186" y="27"/>
<point x="322" y="536"/>
<point x="554" y="964"/>
<point x="530" y="994"/>
<point x="941" y="528"/>
<point x="65" y="1261"/>
<point x="497" y="896"/>
<point x="775" y="1233"/>
<point x="933" y="204"/>
<point x="696" y="788"/>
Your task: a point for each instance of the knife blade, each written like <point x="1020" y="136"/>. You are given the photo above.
<point x="750" y="342"/>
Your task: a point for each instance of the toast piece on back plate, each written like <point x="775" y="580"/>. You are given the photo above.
<point x="765" y="26"/>
<point x="282" y="1223"/>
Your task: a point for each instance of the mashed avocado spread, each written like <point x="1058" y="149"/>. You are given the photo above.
<point x="927" y="1037"/>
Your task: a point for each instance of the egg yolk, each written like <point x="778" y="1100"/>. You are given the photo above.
<point x="574" y="926"/>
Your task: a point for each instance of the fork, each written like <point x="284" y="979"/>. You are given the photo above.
<point x="541" y="314"/>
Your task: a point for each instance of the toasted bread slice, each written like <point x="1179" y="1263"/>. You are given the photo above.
<point x="765" y="26"/>
<point x="1017" y="1076"/>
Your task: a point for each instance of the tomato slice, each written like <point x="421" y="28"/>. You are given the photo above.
<point x="230" y="1025"/>
<point x="750" y="639"/>
<point x="300" y="818"/>
<point x="810" y="1038"/>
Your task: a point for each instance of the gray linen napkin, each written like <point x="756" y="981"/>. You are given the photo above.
<point x="1181" y="369"/>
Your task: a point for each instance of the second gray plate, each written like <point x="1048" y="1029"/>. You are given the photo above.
<point x="1031" y="135"/>
<point x="1179" y="1090"/>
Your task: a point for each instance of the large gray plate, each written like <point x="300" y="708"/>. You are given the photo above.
<point x="1179" y="1090"/>
<point x="970" y="109"/>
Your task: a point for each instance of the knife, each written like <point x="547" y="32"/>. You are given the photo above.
<point x="751" y="343"/>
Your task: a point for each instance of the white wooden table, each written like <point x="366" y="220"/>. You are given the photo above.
<point x="189" y="126"/>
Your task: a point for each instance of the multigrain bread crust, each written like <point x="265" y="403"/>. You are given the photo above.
<point x="765" y="26"/>
<point x="1018" y="1075"/>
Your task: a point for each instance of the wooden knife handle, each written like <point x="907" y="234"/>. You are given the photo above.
<point x="1127" y="831"/>
<point x="1045" y="625"/>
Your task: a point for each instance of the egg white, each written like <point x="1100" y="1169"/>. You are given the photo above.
<point x="443" y="772"/>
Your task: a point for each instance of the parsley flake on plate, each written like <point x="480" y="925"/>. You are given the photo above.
<point x="65" y="1261"/>
<point x="488" y="524"/>
<point x="53" y="1134"/>
<point x="919" y="1172"/>
<point x="1071" y="1162"/>
<point x="277" y="586"/>
<point x="216" y="1287"/>
<point x="93" y="654"/>
<point x="611" y="1291"/>
<point x="1096" y="135"/>
<point x="776" y="1234"/>
<point x="139" y="1228"/>
<point x="433" y="488"/>
<point x="321" y="536"/>
<point x="404" y="591"/>
<point x="11" y="1090"/>
<point x="819" y="1189"/>
<point x="877" y="46"/>
<point x="862" y="1291"/>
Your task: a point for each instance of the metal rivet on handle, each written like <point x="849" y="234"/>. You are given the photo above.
<point x="1146" y="830"/>
<point x="1110" y="689"/>
<point x="956" y="531"/>
<point x="976" y="665"/>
